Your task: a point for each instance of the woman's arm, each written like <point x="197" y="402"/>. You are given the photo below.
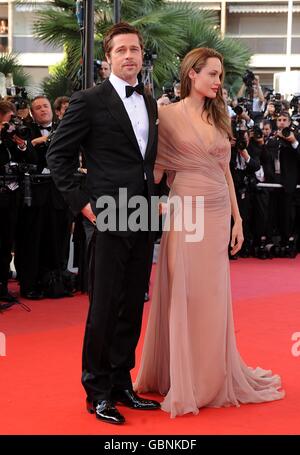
<point x="237" y="237"/>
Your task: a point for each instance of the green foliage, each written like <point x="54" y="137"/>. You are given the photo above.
<point x="9" y="64"/>
<point x="58" y="83"/>
<point x="169" y="29"/>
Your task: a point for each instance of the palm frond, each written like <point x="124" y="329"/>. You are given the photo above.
<point x="58" y="83"/>
<point x="9" y="64"/>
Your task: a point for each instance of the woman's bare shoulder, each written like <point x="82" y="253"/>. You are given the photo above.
<point x="169" y="110"/>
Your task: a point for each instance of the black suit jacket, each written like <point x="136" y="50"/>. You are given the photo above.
<point x="97" y="120"/>
<point x="43" y="189"/>
<point x="238" y="175"/>
<point x="289" y="162"/>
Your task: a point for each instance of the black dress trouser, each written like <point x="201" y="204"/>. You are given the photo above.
<point x="117" y="282"/>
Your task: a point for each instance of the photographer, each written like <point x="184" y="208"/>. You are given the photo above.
<point x="171" y="94"/>
<point x="273" y="110"/>
<point x="241" y="116"/>
<point x="243" y="164"/>
<point x="251" y="87"/>
<point x="12" y="153"/>
<point x="295" y="105"/>
<point x="282" y="157"/>
<point x="230" y="111"/>
<point x="261" y="195"/>
<point x="267" y="130"/>
<point x="45" y="221"/>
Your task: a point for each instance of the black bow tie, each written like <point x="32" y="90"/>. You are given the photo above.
<point x="48" y="128"/>
<point x="138" y="88"/>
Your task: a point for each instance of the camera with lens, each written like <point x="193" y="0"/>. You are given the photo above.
<point x="248" y="78"/>
<point x="239" y="131"/>
<point x="17" y="92"/>
<point x="15" y="127"/>
<point x="278" y="107"/>
<point x="257" y="132"/>
<point x="244" y="104"/>
<point x="20" y="96"/>
<point x="288" y="130"/>
<point x="295" y="105"/>
<point x="241" y="142"/>
<point x="22" y="172"/>
<point x="20" y="103"/>
<point x="97" y="67"/>
<point x="275" y="99"/>
<point x="168" y="91"/>
<point x="13" y="168"/>
<point x="238" y="109"/>
<point x="149" y="57"/>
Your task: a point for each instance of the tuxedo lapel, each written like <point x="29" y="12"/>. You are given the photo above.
<point x="152" y="119"/>
<point x="118" y="111"/>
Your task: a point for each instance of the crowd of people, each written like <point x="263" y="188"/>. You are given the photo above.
<point x="265" y="165"/>
<point x="35" y="220"/>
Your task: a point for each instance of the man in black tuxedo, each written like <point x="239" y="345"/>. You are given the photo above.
<point x="244" y="163"/>
<point x="43" y="223"/>
<point x="281" y="165"/>
<point x="117" y="127"/>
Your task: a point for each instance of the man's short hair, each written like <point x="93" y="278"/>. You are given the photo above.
<point x="284" y="114"/>
<point x="122" y="28"/>
<point x="37" y="98"/>
<point x="267" y="122"/>
<point x="285" y="105"/>
<point x="6" y="107"/>
<point x="60" y="101"/>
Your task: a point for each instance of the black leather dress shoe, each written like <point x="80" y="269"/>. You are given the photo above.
<point x="8" y="297"/>
<point x="32" y="295"/>
<point x="130" y="399"/>
<point x="5" y="306"/>
<point x="105" y="411"/>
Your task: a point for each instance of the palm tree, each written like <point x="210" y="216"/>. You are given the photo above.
<point x="57" y="84"/>
<point x="9" y="65"/>
<point x="169" y="30"/>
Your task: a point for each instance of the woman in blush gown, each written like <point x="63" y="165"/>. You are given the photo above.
<point x="190" y="354"/>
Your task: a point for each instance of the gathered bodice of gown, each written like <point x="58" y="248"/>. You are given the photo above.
<point x="185" y="147"/>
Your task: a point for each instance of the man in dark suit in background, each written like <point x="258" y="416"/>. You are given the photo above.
<point x="41" y="231"/>
<point x="281" y="165"/>
<point x="116" y="124"/>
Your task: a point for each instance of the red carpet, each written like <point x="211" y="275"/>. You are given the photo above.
<point x="40" y="390"/>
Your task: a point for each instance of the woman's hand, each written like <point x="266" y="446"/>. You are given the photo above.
<point x="237" y="237"/>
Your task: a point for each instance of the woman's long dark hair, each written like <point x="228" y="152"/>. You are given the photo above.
<point x="215" y="107"/>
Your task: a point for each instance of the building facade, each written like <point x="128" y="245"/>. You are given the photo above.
<point x="265" y="27"/>
<point x="16" y="35"/>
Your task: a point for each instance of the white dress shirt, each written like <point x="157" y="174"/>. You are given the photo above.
<point x="44" y="131"/>
<point x="136" y="110"/>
